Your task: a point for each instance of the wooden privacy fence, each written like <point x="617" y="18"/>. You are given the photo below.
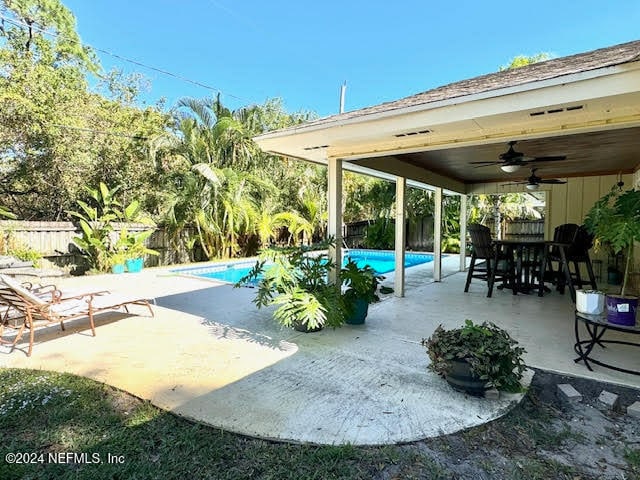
<point x="54" y="240"/>
<point x="419" y="233"/>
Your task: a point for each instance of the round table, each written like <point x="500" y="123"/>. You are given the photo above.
<point x="596" y="326"/>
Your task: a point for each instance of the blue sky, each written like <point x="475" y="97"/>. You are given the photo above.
<point x="302" y="51"/>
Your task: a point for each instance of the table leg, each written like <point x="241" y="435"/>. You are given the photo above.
<point x="582" y="355"/>
<point x="541" y="270"/>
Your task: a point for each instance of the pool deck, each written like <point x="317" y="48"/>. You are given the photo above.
<point x="211" y="356"/>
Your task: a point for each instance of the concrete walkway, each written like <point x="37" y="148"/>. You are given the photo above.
<point x="211" y="356"/>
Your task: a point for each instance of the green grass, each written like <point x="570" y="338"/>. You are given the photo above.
<point x="50" y="413"/>
<point x="632" y="457"/>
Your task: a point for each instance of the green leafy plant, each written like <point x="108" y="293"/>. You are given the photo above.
<point x="114" y="259"/>
<point x="97" y="224"/>
<point x="10" y="245"/>
<point x="379" y="235"/>
<point x="135" y="244"/>
<point x="361" y="282"/>
<point x="297" y="280"/>
<point x="6" y="213"/>
<point x="614" y="220"/>
<point x="489" y="350"/>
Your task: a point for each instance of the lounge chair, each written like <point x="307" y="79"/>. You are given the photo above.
<point x="39" y="312"/>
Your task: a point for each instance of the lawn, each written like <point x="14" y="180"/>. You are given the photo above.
<point x="49" y="417"/>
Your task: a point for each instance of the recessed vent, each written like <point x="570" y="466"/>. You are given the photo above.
<point x="556" y="110"/>
<point x="318" y="147"/>
<point x="410" y="134"/>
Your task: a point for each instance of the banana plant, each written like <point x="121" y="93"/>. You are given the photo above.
<point x="96" y="224"/>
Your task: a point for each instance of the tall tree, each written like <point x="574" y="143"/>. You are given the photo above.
<point x="56" y="135"/>
<point x="523" y="60"/>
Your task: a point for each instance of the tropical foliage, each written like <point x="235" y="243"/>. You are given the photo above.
<point x="298" y="281"/>
<point x="96" y="220"/>
<point x="490" y="351"/>
<point x="66" y="124"/>
<point x="614" y="220"/>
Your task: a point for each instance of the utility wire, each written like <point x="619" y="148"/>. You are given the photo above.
<point x="102" y="132"/>
<point x="125" y="59"/>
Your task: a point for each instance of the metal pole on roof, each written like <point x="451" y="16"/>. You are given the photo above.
<point x="343" y="90"/>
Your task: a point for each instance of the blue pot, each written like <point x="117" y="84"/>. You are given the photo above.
<point x="119" y="268"/>
<point x="135" y="265"/>
<point x="360" y="311"/>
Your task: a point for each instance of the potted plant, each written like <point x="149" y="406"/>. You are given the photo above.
<point x="361" y="284"/>
<point x="614" y="220"/>
<point x="297" y="281"/>
<point x="590" y="301"/>
<point x="117" y="262"/>
<point x="136" y="249"/>
<point x="475" y="357"/>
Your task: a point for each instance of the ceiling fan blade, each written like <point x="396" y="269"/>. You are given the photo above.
<point x="482" y="164"/>
<point x="514" y="183"/>
<point x="548" y="159"/>
<point x="554" y="181"/>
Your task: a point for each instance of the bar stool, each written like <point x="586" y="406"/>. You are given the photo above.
<point x="488" y="263"/>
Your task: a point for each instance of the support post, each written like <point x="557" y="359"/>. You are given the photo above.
<point x="334" y="225"/>
<point x="463" y="233"/>
<point x="398" y="288"/>
<point x="437" y="236"/>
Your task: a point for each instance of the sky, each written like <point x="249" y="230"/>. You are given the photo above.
<point x="302" y="51"/>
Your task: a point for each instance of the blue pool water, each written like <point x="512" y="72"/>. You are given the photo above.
<point x="381" y="261"/>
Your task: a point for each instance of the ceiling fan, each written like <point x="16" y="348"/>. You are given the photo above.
<point x="510" y="161"/>
<point x="533" y="182"/>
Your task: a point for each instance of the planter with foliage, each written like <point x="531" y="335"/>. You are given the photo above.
<point x="136" y="249"/>
<point x="590" y="301"/>
<point x="614" y="220"/>
<point x="117" y="262"/>
<point x="297" y="281"/>
<point x="361" y="284"/>
<point x="492" y="357"/>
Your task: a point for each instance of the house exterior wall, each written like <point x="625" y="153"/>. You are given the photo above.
<point x="569" y="203"/>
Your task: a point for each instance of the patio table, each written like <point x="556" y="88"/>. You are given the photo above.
<point x="596" y="326"/>
<point x="525" y="249"/>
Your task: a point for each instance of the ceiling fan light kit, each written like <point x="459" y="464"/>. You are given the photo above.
<point x="511" y="160"/>
<point x="510" y="168"/>
<point x="534" y="182"/>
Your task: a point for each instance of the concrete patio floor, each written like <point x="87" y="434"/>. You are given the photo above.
<point x="211" y="356"/>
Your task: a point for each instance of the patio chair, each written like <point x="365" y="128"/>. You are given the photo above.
<point x="488" y="263"/>
<point x="10" y="317"/>
<point x="577" y="253"/>
<point x="39" y="312"/>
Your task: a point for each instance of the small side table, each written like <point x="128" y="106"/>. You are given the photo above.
<point x="596" y="326"/>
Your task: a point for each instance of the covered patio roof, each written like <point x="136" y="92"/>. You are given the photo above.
<point x="584" y="106"/>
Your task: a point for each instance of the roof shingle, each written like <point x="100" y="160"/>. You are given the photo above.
<point x="582" y="62"/>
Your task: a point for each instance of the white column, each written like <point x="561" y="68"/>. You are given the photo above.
<point x="437" y="236"/>
<point x="334" y="226"/>
<point x="463" y="232"/>
<point x="398" y="288"/>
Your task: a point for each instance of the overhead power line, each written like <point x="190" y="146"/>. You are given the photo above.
<point x="101" y="132"/>
<point x="34" y="26"/>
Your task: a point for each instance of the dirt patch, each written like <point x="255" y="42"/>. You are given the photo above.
<point x="540" y="438"/>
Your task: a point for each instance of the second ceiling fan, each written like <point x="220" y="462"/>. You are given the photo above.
<point x="511" y="161"/>
<point x="533" y="182"/>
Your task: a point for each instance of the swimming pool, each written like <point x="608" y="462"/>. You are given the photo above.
<point x="382" y="261"/>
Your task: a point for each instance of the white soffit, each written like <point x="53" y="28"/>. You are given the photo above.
<point x="607" y="100"/>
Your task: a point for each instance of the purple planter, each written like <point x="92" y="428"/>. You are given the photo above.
<point x="622" y="310"/>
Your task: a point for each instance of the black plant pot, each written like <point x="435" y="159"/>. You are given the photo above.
<point x="462" y="379"/>
<point x="304" y="328"/>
